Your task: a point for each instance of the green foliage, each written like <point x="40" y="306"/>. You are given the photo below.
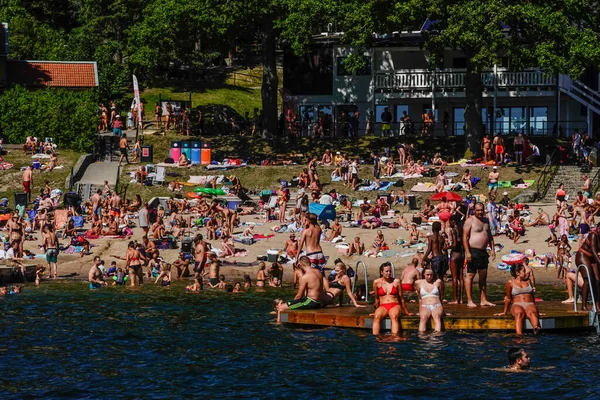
<point x="66" y="116"/>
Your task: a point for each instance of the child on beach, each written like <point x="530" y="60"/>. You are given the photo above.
<point x="119" y="277"/>
<point x="39" y="271"/>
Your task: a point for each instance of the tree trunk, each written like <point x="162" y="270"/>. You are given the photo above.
<point x="270" y="82"/>
<point x="473" y="107"/>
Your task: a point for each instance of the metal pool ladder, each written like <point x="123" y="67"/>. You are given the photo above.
<point x="593" y="315"/>
<point x="358" y="264"/>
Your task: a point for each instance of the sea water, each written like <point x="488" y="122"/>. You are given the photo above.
<point x="65" y="341"/>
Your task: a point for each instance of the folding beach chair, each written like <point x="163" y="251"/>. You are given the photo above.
<point x="159" y="177"/>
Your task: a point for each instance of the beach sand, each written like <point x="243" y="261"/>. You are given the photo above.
<point x="77" y="268"/>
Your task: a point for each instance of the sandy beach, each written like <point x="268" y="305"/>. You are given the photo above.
<point x="76" y="267"/>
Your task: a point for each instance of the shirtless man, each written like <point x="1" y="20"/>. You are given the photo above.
<point x="51" y="248"/>
<point x="436" y="246"/>
<point x="588" y="256"/>
<point x="28" y="181"/>
<point x="16" y="232"/>
<point x="123" y="147"/>
<point x="95" y="275"/>
<point x="499" y="148"/>
<point x="476" y="236"/>
<point x="95" y="199"/>
<point x="291" y="246"/>
<point x="586" y="186"/>
<point x="115" y="204"/>
<point x="213" y="270"/>
<point x="181" y="264"/>
<point x="149" y="248"/>
<point x="356" y="247"/>
<point x="336" y="230"/>
<point x="311" y="236"/>
<point x="200" y="255"/>
<point x="310" y="289"/>
<point x="493" y="181"/>
<point x="409" y="276"/>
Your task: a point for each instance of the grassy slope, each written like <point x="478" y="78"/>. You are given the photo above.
<point x="260" y="177"/>
<point x="10" y="181"/>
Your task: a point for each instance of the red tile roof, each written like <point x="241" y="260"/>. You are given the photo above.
<point x="52" y="73"/>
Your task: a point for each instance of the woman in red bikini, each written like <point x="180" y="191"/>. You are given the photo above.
<point x="388" y="300"/>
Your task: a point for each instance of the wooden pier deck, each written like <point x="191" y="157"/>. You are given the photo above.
<point x="554" y="316"/>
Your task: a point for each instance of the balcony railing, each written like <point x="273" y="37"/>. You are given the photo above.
<point x="455" y="79"/>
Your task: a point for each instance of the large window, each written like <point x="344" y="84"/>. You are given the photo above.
<point x="511" y="120"/>
<point x="399" y="111"/>
<point x="459" y="121"/>
<point x="538" y="120"/>
<point x="379" y="109"/>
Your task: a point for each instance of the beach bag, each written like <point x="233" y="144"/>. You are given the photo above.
<point x="78" y="221"/>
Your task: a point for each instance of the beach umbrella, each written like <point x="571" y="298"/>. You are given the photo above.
<point x="450" y="196"/>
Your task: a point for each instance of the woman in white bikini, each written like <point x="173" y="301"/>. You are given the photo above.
<point x="430" y="303"/>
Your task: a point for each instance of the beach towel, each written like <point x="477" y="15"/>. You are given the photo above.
<point x="423" y="187"/>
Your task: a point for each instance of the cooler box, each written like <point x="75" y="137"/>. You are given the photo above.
<point x="272" y="255"/>
<point x="234" y="204"/>
<point x="36" y="164"/>
<point x="412" y="202"/>
<point x="175" y="152"/>
<point x="205" y="154"/>
<point x="148" y="153"/>
<point x="195" y="159"/>
<point x="186" y="148"/>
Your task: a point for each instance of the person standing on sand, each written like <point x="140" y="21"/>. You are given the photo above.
<point x="95" y="199"/>
<point x="51" y="248"/>
<point x="200" y="255"/>
<point x="311" y="236"/>
<point x="213" y="271"/>
<point x="28" y="181"/>
<point x="476" y="237"/>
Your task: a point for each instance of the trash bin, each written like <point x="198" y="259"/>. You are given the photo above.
<point x="175" y="151"/>
<point x="196" y="152"/>
<point x="205" y="154"/>
<point x="186" y="148"/>
<point x="147" y="153"/>
<point x="412" y="202"/>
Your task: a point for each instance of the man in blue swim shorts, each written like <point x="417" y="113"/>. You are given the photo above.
<point x="493" y="181"/>
<point x="95" y="275"/>
<point x="310" y="289"/>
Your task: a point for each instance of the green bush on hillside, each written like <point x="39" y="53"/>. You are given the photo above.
<point x="66" y="116"/>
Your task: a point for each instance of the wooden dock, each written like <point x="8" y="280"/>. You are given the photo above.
<point x="555" y="316"/>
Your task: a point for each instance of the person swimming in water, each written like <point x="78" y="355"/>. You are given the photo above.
<point x="388" y="299"/>
<point x="518" y="359"/>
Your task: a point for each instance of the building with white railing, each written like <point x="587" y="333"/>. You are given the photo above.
<point x="397" y="75"/>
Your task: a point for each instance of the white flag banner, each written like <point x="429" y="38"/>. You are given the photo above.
<point x="136" y="94"/>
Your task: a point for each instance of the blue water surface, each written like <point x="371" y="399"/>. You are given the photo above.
<point x="65" y="341"/>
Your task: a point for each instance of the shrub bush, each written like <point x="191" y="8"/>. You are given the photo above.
<point x="69" y="117"/>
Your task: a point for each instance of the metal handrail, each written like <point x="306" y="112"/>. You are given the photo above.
<point x="393" y="270"/>
<point x="589" y="283"/>
<point x="366" y="279"/>
<point x="547" y="175"/>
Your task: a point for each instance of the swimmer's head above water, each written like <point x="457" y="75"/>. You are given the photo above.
<point x="518" y="359"/>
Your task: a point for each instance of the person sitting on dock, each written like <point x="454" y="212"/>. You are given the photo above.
<point x="430" y="292"/>
<point x="310" y="289"/>
<point x="336" y="287"/>
<point x="519" y="292"/>
<point x="388" y="299"/>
